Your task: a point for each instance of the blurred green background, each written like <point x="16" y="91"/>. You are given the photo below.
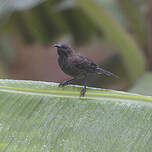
<point x="115" y="34"/>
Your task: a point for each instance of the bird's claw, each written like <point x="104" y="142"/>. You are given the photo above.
<point x="60" y="85"/>
<point x="63" y="84"/>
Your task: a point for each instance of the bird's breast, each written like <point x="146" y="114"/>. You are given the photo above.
<point x="68" y="67"/>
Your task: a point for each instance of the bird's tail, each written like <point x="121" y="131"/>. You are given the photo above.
<point x="100" y="70"/>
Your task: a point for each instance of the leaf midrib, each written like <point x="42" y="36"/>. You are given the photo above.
<point x="75" y="94"/>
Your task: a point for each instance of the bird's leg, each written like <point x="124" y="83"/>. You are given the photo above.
<point x="67" y="82"/>
<point x="83" y="91"/>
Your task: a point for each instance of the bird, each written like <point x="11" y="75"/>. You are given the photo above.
<point x="77" y="66"/>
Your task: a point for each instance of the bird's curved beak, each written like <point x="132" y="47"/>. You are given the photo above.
<point x="57" y="45"/>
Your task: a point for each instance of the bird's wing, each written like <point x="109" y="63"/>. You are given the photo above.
<point x="85" y="64"/>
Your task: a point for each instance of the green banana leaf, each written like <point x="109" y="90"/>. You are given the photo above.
<point x="40" y="117"/>
<point x="143" y="85"/>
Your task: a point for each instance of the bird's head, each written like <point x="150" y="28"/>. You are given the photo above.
<point x="63" y="49"/>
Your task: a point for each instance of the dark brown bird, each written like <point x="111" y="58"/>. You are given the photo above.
<point x="77" y="66"/>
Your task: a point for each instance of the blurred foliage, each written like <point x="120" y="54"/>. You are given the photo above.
<point x="136" y="20"/>
<point x="53" y="18"/>
<point x="143" y="85"/>
<point x="49" y="21"/>
<point x="7" y="54"/>
<point x="78" y="25"/>
<point x="8" y="6"/>
<point x="123" y="24"/>
<point x="127" y="48"/>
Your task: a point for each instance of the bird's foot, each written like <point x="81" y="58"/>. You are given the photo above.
<point x="63" y="84"/>
<point x="83" y="91"/>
